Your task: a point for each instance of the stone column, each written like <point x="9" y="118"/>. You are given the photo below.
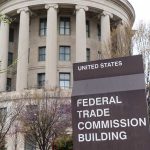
<point x="4" y="46"/>
<point x="81" y="33"/>
<point x="16" y="139"/>
<point x="51" y="47"/>
<point x="105" y="35"/>
<point x="23" y="48"/>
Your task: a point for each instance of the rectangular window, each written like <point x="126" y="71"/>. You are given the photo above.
<point x="10" y="58"/>
<point x="11" y="35"/>
<point x="87" y="28"/>
<point x="3" y="114"/>
<point x="42" y="53"/>
<point x="30" y="143"/>
<point x="99" y="31"/>
<point x="8" y="84"/>
<point x="88" y="54"/>
<point x="41" y="80"/>
<point x="31" y="114"/>
<point x="64" y="26"/>
<point x="64" y="80"/>
<point x="28" y="55"/>
<point x="32" y="111"/>
<point x="3" y="142"/>
<point x="43" y="27"/>
<point x="64" y="53"/>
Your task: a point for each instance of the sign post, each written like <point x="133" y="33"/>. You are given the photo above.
<point x="109" y="108"/>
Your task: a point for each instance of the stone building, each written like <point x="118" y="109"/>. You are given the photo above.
<point x="48" y="36"/>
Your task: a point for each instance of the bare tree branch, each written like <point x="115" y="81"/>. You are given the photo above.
<point x="45" y="118"/>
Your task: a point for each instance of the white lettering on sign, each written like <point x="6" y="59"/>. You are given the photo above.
<point x="103" y="136"/>
<point x="109" y="124"/>
<point x="97" y="113"/>
<point x="93" y="113"/>
<point x="100" y="66"/>
<point x="98" y="101"/>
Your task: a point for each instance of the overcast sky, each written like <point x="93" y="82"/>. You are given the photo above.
<point x="142" y="10"/>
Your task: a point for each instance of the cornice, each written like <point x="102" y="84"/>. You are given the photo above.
<point x="9" y="6"/>
<point x="126" y="5"/>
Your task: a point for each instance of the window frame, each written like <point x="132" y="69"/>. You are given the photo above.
<point x="40" y="83"/>
<point x="64" y="28"/>
<point x="9" y="84"/>
<point x="88" y="54"/>
<point x="43" y="20"/>
<point x="99" y="31"/>
<point x="88" y="28"/>
<point x="11" y="34"/>
<point x="63" y="56"/>
<point x="3" y="113"/>
<point x="10" y="58"/>
<point x="64" y="80"/>
<point x="28" y="144"/>
<point x="41" y="56"/>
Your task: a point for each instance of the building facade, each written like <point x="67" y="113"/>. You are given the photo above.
<point x="47" y="36"/>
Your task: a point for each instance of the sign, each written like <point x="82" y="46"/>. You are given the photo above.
<point x="109" y="108"/>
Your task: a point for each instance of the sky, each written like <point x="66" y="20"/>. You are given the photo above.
<point x="142" y="10"/>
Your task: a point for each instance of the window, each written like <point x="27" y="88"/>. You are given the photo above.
<point x="87" y="54"/>
<point x="41" y="53"/>
<point x="32" y="112"/>
<point x="64" y="53"/>
<point x="30" y="143"/>
<point x="32" y="109"/>
<point x="8" y="88"/>
<point x="64" y="26"/>
<point x="3" y="142"/>
<point x="11" y="35"/>
<point x="28" y="55"/>
<point x="10" y="58"/>
<point x="64" y="80"/>
<point x="3" y="115"/>
<point x="41" y="80"/>
<point x="87" y="28"/>
<point x="99" y="31"/>
<point x="43" y="27"/>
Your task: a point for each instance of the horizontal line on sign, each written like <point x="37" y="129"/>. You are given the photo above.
<point x="109" y="85"/>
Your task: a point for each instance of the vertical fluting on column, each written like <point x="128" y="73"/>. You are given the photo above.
<point x="51" y="46"/>
<point x="81" y="33"/>
<point x="4" y="46"/>
<point x="105" y="35"/>
<point x="23" y="48"/>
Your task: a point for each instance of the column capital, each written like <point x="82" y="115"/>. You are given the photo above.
<point x="4" y="19"/>
<point x="78" y="7"/>
<point x="106" y="13"/>
<point x="25" y="9"/>
<point x="123" y="23"/>
<point x="120" y="22"/>
<point x="55" y="6"/>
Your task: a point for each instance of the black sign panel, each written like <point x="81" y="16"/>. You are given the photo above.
<point x="109" y="108"/>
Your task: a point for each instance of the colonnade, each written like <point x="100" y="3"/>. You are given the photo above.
<point x="51" y="44"/>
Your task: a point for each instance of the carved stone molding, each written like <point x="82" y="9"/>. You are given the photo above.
<point x="55" y="6"/>
<point x="106" y="13"/>
<point x="25" y="9"/>
<point x="78" y="7"/>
